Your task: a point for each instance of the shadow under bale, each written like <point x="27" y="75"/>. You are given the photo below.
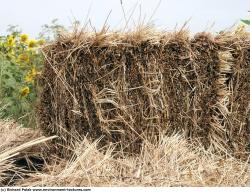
<point x="23" y="167"/>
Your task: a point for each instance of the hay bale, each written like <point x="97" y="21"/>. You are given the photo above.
<point x="178" y="83"/>
<point x="129" y="88"/>
<point x="205" y="65"/>
<point x="110" y="89"/>
<point x="238" y="84"/>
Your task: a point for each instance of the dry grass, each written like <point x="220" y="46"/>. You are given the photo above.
<point x="173" y="161"/>
<point x="16" y="143"/>
<point x="13" y="135"/>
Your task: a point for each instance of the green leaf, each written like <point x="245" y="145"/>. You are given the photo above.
<point x="246" y="21"/>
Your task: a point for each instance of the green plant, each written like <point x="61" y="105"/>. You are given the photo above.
<point x="20" y="64"/>
<point x="246" y="21"/>
<point x="50" y="31"/>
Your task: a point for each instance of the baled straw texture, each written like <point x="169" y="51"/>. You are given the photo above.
<point x="133" y="87"/>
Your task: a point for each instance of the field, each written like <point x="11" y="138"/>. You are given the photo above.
<point x="140" y="108"/>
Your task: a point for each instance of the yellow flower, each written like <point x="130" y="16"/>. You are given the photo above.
<point x="24" y="38"/>
<point x="10" y="41"/>
<point x="25" y="91"/>
<point x="32" y="43"/>
<point x="31" y="75"/>
<point x="41" y="42"/>
<point x="29" y="78"/>
<point x="23" y="57"/>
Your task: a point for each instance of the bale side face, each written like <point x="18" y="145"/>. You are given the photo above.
<point x="131" y="90"/>
<point x="239" y="98"/>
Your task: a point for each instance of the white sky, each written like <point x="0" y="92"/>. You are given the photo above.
<point x="31" y="14"/>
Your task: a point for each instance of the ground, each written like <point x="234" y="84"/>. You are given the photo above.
<point x="172" y="162"/>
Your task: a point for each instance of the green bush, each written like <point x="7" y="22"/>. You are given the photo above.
<point x="20" y="64"/>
